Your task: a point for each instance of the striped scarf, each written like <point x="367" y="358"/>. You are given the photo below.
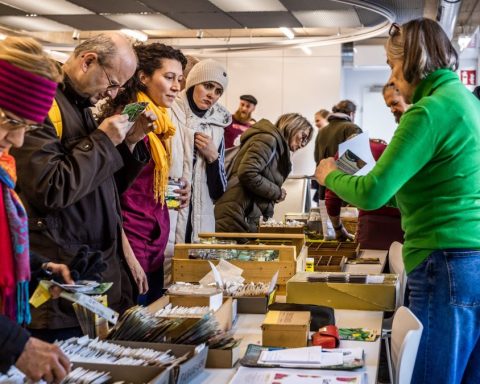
<point x="160" y="146"/>
<point x="14" y="247"/>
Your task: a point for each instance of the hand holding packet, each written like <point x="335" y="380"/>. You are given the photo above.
<point x="134" y="110"/>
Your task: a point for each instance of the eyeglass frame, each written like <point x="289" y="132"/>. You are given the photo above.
<point x="17" y="124"/>
<point x="394" y="29"/>
<point x="305" y="137"/>
<point x="111" y="85"/>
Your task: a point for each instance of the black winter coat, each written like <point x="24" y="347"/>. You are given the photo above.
<point x="260" y="168"/>
<point x="71" y="188"/>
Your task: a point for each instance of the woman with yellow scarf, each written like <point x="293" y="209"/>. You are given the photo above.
<point x="145" y="213"/>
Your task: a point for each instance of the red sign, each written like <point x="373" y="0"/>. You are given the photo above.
<point x="468" y="76"/>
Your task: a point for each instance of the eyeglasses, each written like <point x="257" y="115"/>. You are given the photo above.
<point x="17" y="124"/>
<point x="394" y="29"/>
<point x="111" y="85"/>
<point x="304" y="141"/>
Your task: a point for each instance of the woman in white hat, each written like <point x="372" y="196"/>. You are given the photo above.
<point x="198" y="150"/>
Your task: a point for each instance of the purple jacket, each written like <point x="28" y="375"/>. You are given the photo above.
<point x="145" y="221"/>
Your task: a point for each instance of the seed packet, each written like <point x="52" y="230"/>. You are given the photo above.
<point x="358" y="334"/>
<point x="134" y="110"/>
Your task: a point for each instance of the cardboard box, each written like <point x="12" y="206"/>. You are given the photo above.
<point x="129" y="373"/>
<point x="224" y="313"/>
<point x="182" y="374"/>
<point x="286" y="329"/>
<point x="361" y="296"/>
<point x="223" y="358"/>
<point x="256" y="304"/>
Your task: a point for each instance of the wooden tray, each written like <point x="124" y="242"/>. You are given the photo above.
<point x="335" y="263"/>
<point x="329" y="248"/>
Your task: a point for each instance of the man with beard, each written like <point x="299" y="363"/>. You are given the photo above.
<point x="394" y="101"/>
<point x="240" y="120"/>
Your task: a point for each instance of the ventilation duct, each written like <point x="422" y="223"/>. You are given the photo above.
<point x="447" y="15"/>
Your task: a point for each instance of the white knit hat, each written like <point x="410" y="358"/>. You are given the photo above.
<point x="207" y="70"/>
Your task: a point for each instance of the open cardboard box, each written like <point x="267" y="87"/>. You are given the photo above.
<point x="223" y="314"/>
<point x="361" y="296"/>
<point x="217" y="358"/>
<point x="182" y="374"/>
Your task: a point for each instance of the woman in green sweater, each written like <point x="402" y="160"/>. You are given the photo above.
<point x="431" y="170"/>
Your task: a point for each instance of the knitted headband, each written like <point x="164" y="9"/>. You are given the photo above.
<point x="207" y="70"/>
<point x="25" y="94"/>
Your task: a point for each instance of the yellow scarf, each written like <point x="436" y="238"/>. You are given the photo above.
<point x="160" y="147"/>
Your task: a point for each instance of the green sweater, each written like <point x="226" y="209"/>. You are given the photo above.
<point x="431" y="167"/>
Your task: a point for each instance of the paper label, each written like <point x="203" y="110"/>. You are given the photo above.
<point x="375" y="279"/>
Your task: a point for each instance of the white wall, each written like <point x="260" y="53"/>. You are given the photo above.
<point x="363" y="87"/>
<point x="283" y="81"/>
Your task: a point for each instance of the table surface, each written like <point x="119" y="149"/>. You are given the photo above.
<point x="369" y="268"/>
<point x="247" y="327"/>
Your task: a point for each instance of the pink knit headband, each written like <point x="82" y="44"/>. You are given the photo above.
<point x="25" y="94"/>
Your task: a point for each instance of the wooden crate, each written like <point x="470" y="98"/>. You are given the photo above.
<point x="330" y="248"/>
<point x="335" y="263"/>
<point x="283" y="229"/>
<point x="295" y="239"/>
<point x="192" y="271"/>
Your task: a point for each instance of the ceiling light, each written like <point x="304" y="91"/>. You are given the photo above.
<point x="137" y="35"/>
<point x="287" y="32"/>
<point x="306" y="50"/>
<point x="249" y="5"/>
<point x="58" y="56"/>
<point x="3" y="36"/>
<point x="48" y="7"/>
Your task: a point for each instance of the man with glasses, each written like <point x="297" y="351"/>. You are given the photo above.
<point x="70" y="179"/>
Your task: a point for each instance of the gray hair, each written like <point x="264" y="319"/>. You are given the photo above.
<point x="292" y="123"/>
<point x="102" y="44"/>
<point x="423" y="47"/>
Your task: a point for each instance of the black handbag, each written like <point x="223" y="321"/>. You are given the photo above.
<point x="321" y="315"/>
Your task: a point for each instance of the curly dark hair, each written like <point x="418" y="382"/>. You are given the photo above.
<point x="150" y="58"/>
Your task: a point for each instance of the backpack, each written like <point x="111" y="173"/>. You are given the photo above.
<point x="56" y="117"/>
<point x="230" y="156"/>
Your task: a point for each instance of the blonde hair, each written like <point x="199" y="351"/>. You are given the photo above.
<point x="28" y="54"/>
<point x="291" y="123"/>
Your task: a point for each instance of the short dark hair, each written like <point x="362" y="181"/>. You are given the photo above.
<point x="249" y="98"/>
<point x="423" y="46"/>
<point x="344" y="106"/>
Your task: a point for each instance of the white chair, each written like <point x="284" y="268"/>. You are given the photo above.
<point x="406" y="333"/>
<point x="395" y="262"/>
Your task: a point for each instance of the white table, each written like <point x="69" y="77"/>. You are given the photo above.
<point x="369" y="268"/>
<point x="247" y="327"/>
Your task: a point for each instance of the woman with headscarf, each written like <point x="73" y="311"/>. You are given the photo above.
<point x="431" y="170"/>
<point x="28" y="80"/>
<point x="258" y="172"/>
<point x="199" y="148"/>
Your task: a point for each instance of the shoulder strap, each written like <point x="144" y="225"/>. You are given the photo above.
<point x="56" y="117"/>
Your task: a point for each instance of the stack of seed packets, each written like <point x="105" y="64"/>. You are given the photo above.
<point x="86" y="350"/>
<point x="77" y="376"/>
<point x="139" y="324"/>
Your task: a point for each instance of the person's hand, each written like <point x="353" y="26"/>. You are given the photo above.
<point x="282" y="196"/>
<point x="205" y="147"/>
<point x="341" y="234"/>
<point x="116" y="128"/>
<point x="40" y="360"/>
<point x="142" y="126"/>
<point x="61" y="270"/>
<point x="184" y="193"/>
<point x="137" y="271"/>
<point x="324" y="168"/>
